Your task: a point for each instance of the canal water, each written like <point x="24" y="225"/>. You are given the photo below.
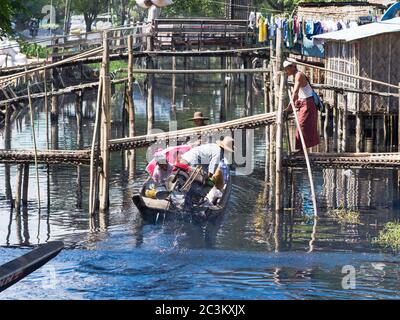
<point x="246" y="254"/>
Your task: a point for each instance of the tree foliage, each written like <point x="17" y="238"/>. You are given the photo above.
<point x="7" y="9"/>
<point x="195" y="8"/>
<point x="90" y="10"/>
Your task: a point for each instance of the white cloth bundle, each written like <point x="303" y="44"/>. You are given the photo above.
<point x="141" y="4"/>
<point x="162" y="3"/>
<point x="158" y="3"/>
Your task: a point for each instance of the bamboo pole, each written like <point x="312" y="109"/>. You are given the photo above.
<point x="344" y="124"/>
<point x="359" y="132"/>
<point x="326" y="126"/>
<point x="150" y="88"/>
<point x="7" y="145"/>
<point x="313" y="195"/>
<point x="105" y="130"/>
<point x="173" y="81"/>
<point x="267" y="106"/>
<point x="18" y="188"/>
<point x="398" y="126"/>
<point x="94" y="152"/>
<point x="46" y="108"/>
<point x="25" y="186"/>
<point x="335" y="122"/>
<point x="35" y="146"/>
<point x="279" y="143"/>
<point x="224" y="95"/>
<point x="131" y="106"/>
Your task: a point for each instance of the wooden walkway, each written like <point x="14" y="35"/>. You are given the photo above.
<point x="348" y="160"/>
<point x="45" y="157"/>
<point x="252" y="122"/>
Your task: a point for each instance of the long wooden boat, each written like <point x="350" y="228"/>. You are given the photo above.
<point x="153" y="210"/>
<point x="14" y="271"/>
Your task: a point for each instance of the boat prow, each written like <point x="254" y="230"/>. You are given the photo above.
<point x="14" y="271"/>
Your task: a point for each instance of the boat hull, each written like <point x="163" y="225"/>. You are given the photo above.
<point x="153" y="210"/>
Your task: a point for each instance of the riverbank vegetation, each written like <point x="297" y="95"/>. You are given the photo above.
<point x="345" y="216"/>
<point x="389" y="237"/>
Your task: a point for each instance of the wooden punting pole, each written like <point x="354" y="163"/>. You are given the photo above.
<point x="313" y="195"/>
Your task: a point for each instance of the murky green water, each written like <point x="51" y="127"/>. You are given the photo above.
<point x="247" y="254"/>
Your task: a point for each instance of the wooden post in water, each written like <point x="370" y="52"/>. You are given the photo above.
<point x="54" y="100"/>
<point x="150" y="86"/>
<point x="398" y="126"/>
<point x="249" y="88"/>
<point x="7" y="145"/>
<point x="131" y="106"/>
<point x="173" y="80"/>
<point x="18" y="187"/>
<point x="105" y="128"/>
<point x="267" y="107"/>
<point x="335" y="122"/>
<point x="25" y="186"/>
<point x="279" y="144"/>
<point x="359" y="132"/>
<point x="326" y="126"/>
<point x="224" y="97"/>
<point x="344" y="124"/>
<point x="79" y="142"/>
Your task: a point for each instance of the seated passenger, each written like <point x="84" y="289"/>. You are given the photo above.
<point x="162" y="170"/>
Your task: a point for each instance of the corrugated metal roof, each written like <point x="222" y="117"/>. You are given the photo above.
<point x="360" y="32"/>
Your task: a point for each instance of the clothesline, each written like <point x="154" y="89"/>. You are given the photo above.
<point x="298" y="31"/>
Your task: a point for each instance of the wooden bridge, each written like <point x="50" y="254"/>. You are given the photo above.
<point x="45" y="157"/>
<point x="348" y="160"/>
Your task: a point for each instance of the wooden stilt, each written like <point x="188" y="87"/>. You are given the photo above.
<point x="173" y="80"/>
<point x="7" y="145"/>
<point x="344" y="124"/>
<point x="79" y="142"/>
<point x="18" y="187"/>
<point x="335" y="122"/>
<point x="223" y="91"/>
<point x="279" y="144"/>
<point x="266" y="110"/>
<point x="25" y="186"/>
<point x="105" y="129"/>
<point x="359" y="132"/>
<point x="150" y="88"/>
<point x="131" y="106"/>
<point x="326" y="127"/>
<point x="249" y="88"/>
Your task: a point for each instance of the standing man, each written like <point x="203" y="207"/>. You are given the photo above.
<point x="304" y="103"/>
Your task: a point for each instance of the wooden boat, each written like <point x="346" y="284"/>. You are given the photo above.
<point x="153" y="210"/>
<point x="14" y="271"/>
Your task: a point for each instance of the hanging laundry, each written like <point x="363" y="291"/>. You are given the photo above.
<point x="309" y="28"/>
<point x="252" y="20"/>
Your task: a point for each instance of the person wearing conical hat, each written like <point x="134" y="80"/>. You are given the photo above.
<point x="199" y="120"/>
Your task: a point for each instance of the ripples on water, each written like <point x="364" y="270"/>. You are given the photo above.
<point x="117" y="256"/>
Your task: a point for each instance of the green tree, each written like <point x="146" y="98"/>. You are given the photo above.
<point x="7" y="9"/>
<point x="195" y="8"/>
<point x="90" y="10"/>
